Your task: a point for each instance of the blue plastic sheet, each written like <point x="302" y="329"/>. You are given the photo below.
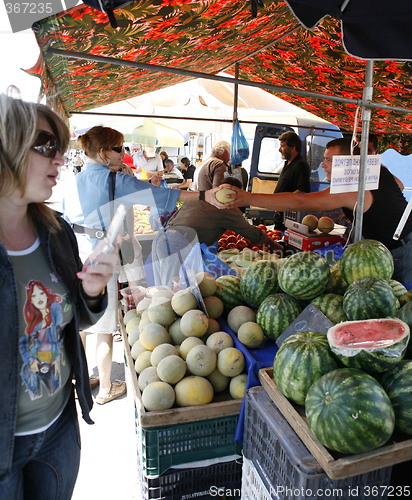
<point x="256" y="359"/>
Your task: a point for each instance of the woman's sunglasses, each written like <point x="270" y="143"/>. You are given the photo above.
<point x="46" y="144"/>
<point x="117" y="149"/>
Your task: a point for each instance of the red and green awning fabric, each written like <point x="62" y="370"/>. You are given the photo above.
<point x="212" y="36"/>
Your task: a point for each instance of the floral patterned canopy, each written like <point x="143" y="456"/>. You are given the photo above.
<point x="209" y="36"/>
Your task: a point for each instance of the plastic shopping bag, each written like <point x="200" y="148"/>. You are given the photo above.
<point x="158" y="217"/>
<point x="239" y="151"/>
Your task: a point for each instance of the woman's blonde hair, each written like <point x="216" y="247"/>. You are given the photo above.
<point x="18" y="131"/>
<point x="98" y="138"/>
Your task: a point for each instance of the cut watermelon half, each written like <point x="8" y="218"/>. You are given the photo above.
<point x="373" y="345"/>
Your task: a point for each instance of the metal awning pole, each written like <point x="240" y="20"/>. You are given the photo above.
<point x="366" y="118"/>
<point x="235" y="94"/>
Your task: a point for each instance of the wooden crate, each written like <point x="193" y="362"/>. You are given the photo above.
<point x="222" y="406"/>
<point x="337" y="466"/>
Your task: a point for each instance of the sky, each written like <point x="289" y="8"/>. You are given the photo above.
<point x="17" y="50"/>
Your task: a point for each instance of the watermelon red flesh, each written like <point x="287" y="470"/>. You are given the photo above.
<point x="368" y="334"/>
<point x="373" y="345"/>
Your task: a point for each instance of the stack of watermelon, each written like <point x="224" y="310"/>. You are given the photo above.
<point x="354" y="383"/>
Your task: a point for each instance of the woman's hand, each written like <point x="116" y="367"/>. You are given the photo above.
<point x="95" y="276"/>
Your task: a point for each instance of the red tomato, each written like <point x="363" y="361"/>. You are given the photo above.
<point x="240" y="245"/>
<point x="230" y="245"/>
<point x="262" y="227"/>
<point x="255" y="248"/>
<point x="231" y="239"/>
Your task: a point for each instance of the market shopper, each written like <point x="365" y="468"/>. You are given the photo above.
<point x="212" y="171"/>
<point x="295" y="175"/>
<point x="87" y="207"/>
<point x="46" y="297"/>
<point x="383" y="209"/>
<point x="188" y="173"/>
<point x="147" y="160"/>
<point x="199" y="222"/>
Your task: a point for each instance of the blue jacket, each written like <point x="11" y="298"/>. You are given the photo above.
<point x="62" y="252"/>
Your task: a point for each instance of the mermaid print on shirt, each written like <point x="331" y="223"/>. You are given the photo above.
<point x="40" y="348"/>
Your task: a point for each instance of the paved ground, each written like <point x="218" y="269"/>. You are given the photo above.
<point x="108" y="467"/>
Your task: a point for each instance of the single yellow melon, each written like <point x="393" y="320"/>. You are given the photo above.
<point x="221" y="194"/>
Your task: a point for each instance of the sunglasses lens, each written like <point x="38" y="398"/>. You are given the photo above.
<point x="117" y="149"/>
<point x="46" y="144"/>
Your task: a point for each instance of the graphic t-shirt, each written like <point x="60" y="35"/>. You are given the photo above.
<point x="44" y="367"/>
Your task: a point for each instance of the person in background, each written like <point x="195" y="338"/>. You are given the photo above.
<point x="164" y="156"/>
<point x="212" y="171"/>
<point x="128" y="158"/>
<point x="147" y="160"/>
<point x="46" y="296"/>
<point x="77" y="163"/>
<point x="199" y="222"/>
<point x="295" y="175"/>
<point x="188" y="174"/>
<point x="379" y="223"/>
<point x="171" y="171"/>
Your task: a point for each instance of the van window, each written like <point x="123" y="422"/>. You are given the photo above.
<point x="315" y="147"/>
<point x="270" y="160"/>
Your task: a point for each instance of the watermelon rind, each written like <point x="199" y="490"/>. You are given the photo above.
<point x="369" y="298"/>
<point x="228" y="291"/>
<point x="345" y="341"/>
<point x="331" y="304"/>
<point x="405" y="314"/>
<point x="258" y="282"/>
<point x="397" y="288"/>
<point x="366" y="258"/>
<point x="348" y="411"/>
<point x="276" y="313"/>
<point x="301" y="359"/>
<point x="397" y="384"/>
<point x="304" y="275"/>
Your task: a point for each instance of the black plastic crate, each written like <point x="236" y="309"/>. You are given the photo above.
<point x="211" y="481"/>
<point x="287" y="468"/>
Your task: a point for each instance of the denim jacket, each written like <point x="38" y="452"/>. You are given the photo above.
<point x="62" y="252"/>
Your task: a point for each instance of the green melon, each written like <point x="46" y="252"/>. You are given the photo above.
<point x="337" y="283"/>
<point x="276" y="313"/>
<point x="366" y="258"/>
<point x="405" y="298"/>
<point x="398" y="386"/>
<point x="374" y="345"/>
<point x="301" y="359"/>
<point x="405" y="314"/>
<point x="397" y="288"/>
<point x="228" y="291"/>
<point x="304" y="275"/>
<point x="368" y="298"/>
<point x="331" y="304"/>
<point x="348" y="411"/>
<point x="258" y="282"/>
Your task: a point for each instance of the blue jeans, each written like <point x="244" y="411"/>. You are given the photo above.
<point x="45" y="465"/>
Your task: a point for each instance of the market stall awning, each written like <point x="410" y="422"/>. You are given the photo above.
<point x="273" y="50"/>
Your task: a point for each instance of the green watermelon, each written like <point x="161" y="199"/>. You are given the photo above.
<point x="366" y="258"/>
<point x="405" y="298"/>
<point x="258" y="281"/>
<point x="348" y="411"/>
<point x="305" y="275"/>
<point x="276" y="313"/>
<point x="331" y="304"/>
<point x="368" y="298"/>
<point x="228" y="291"/>
<point x="337" y="283"/>
<point x="397" y="288"/>
<point x="301" y="359"/>
<point x="374" y="345"/>
<point x="398" y="386"/>
<point x="405" y="314"/>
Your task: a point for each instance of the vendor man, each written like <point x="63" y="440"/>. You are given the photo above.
<point x="383" y="208"/>
<point x="295" y="174"/>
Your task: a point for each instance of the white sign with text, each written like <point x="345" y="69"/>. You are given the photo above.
<point x="345" y="173"/>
